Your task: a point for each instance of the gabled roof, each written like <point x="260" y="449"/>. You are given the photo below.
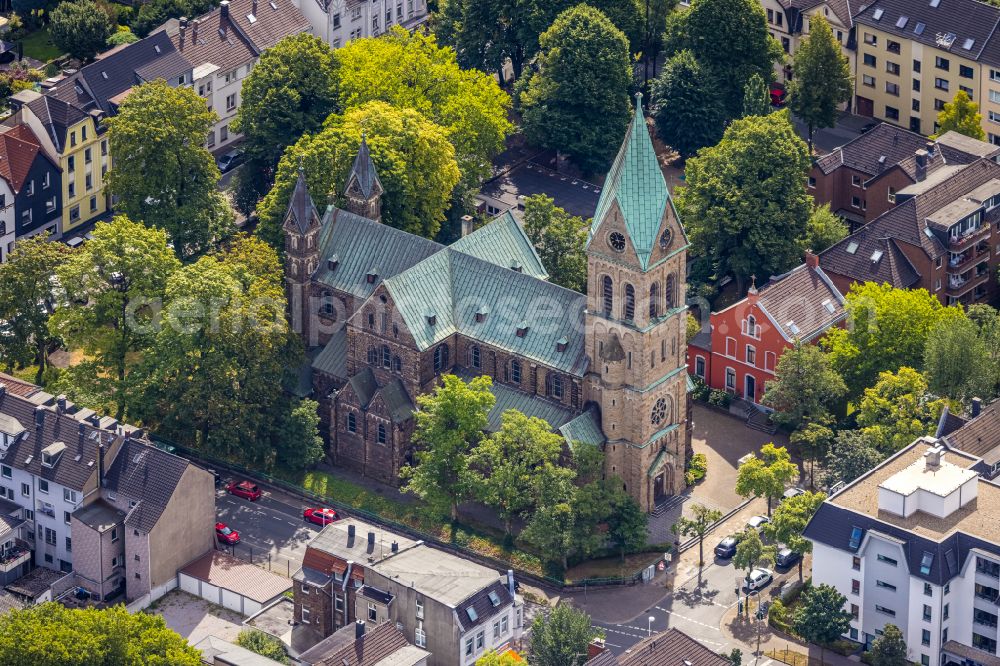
<point x="18" y="149"/>
<point x="56" y="115"/>
<point x="503" y="242"/>
<point x="363" y="171"/>
<point x="874" y="151"/>
<point x="529" y="404"/>
<point x="452" y="286"/>
<point x="147" y="475"/>
<point x="382" y="645"/>
<point x="980" y="436"/>
<point x="968" y="24"/>
<point x="670" y="648"/>
<point x="637" y="184"/>
<point x="585" y="428"/>
<point x="301" y="209"/>
<point x="803" y="302"/>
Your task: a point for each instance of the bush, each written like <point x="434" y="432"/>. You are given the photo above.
<point x="778" y="617"/>
<point x="263" y="644"/>
<point x="701" y="390"/>
<point x="843" y="647"/>
<point x="719" y="399"/>
<point x="697" y="469"/>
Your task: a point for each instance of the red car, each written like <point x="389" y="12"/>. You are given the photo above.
<point x="245" y="489"/>
<point x="778" y="95"/>
<point x="320" y="516"/>
<point x="226" y="534"/>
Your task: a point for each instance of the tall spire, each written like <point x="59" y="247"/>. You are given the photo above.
<point x="364" y="170"/>
<point x="301" y="209"/>
<point x="636" y="182"/>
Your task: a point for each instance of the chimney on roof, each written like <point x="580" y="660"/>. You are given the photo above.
<point x="595" y="647"/>
<point x="812" y="259"/>
<point x="39" y="417"/>
<point x="395" y="547"/>
<point x="359" y="629"/>
<point x="930" y="147"/>
<point x="510" y="582"/>
<point x="933" y="458"/>
<point x="977" y="407"/>
<point x="371" y="541"/>
<point x="61" y="403"/>
<point x="100" y="464"/>
<point x="253" y="9"/>
<point x="194" y="30"/>
<point x="224" y="8"/>
<point x="3" y="389"/>
<point x="183" y="28"/>
<point x="468" y="224"/>
<point x="350" y="531"/>
<point x="921" y="157"/>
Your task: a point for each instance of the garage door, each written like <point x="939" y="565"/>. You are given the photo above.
<point x="189" y="584"/>
<point x="210" y="592"/>
<point x="232" y="601"/>
<point x="250" y="607"/>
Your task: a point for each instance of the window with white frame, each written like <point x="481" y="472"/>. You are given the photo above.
<point x="730" y="379"/>
<point x="305" y="616"/>
<point x="751" y="355"/>
<point x="420" y="637"/>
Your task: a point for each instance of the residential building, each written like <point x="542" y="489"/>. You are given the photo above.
<point x="340" y="22"/>
<point x="739" y="352"/>
<point x="224" y="45"/>
<point x="393" y="312"/>
<point x="454" y="608"/>
<point x="98" y="500"/>
<point x="668" y="648"/>
<point x="334" y="569"/>
<point x="940" y="236"/>
<point x="915" y="543"/>
<point x="29" y="188"/>
<point x="913" y="57"/>
<point x="979" y="436"/>
<point x="359" y="645"/>
<point x="860" y="179"/>
<point x="788" y="22"/>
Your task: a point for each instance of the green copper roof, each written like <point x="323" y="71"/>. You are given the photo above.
<point x="332" y="360"/>
<point x="504" y="243"/>
<point x="530" y="405"/>
<point x="584" y="428"/>
<point x="637" y="184"/>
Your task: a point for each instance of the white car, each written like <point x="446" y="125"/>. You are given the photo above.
<point x="758" y="522"/>
<point x="759" y="578"/>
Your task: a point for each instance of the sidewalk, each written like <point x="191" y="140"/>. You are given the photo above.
<point x="743" y="631"/>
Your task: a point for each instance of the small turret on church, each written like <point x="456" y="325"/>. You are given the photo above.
<point x="301" y="226"/>
<point x="363" y="191"/>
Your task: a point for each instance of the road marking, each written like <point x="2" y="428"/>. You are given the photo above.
<point x="611" y="644"/>
<point x="683" y="617"/>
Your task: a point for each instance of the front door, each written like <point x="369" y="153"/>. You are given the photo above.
<point x="750" y="388"/>
<point x="866" y="107"/>
<point x="659" y="487"/>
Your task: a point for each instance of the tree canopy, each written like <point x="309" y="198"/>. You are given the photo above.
<point x="578" y="101"/>
<point x="688" y="114"/>
<point x="823" y="229"/>
<point x="897" y="410"/>
<point x="702" y="519"/>
<point x="889" y="649"/>
<point x="961" y="115"/>
<point x="54" y="635"/>
<point x="756" y="96"/>
<point x="766" y="476"/>
<point x="559" y="638"/>
<point x="805" y="387"/>
<point x="414" y="159"/>
<point x="821" y="617"/>
<point x="257" y="641"/>
<point x="560" y="240"/>
<point x="745" y="204"/>
<point x="822" y="77"/>
<point x="888" y="329"/>
<point x="851" y="455"/>
<point x="730" y="39"/>
<point x="80" y="28"/>
<point x="959" y="360"/>
<point x="162" y="172"/>
<point x="789" y="522"/>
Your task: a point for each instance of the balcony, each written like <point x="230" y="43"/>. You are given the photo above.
<point x="966" y="239"/>
<point x="958" y="285"/>
<point x="14" y="556"/>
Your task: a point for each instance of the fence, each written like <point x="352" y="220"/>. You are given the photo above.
<point x="408" y="530"/>
<point x="146" y="600"/>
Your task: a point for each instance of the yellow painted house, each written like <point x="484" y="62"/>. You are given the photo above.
<point x="76" y="140"/>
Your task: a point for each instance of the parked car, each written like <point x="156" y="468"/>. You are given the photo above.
<point x="792" y="492"/>
<point x="226" y="534"/>
<point x="778" y="95"/>
<point x="786" y="557"/>
<point x="758" y="522"/>
<point x="726" y="547"/>
<point x="245" y="489"/>
<point x="229" y="160"/>
<point x="759" y="578"/>
<point x="320" y="516"/>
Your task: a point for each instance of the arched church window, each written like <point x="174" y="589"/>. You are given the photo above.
<point x="515" y="371"/>
<point x="397" y="364"/>
<point x="608" y="293"/>
<point x="654" y="300"/>
<point x="386" y="356"/>
<point x="372" y="356"/>
<point x="474" y="359"/>
<point x="629" y="302"/>
<point x="670" y="292"/>
<point x="440" y="358"/>
<point x="352" y="422"/>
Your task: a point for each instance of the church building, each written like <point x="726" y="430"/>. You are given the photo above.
<point x="386" y="313"/>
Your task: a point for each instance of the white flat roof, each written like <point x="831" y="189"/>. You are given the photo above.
<point x="442" y="576"/>
<point x="943" y="480"/>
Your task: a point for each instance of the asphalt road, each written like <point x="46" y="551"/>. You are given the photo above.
<point x="271" y="530"/>
<point x="697" y="611"/>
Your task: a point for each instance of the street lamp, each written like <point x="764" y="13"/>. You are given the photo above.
<point x="649" y="627"/>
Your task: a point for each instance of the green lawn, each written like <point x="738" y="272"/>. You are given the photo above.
<point x="38" y="45"/>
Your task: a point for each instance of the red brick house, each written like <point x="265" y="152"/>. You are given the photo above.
<point x="740" y="351"/>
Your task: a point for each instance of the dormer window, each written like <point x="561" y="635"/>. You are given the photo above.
<point x="333" y="262"/>
<point x="481" y="314"/>
<point x="431" y="318"/>
<point x="522" y="329"/>
<point x="372" y="276"/>
<point x="561" y="344"/>
<point x="51" y="453"/>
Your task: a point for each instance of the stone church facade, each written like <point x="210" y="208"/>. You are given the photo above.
<point x="386" y="313"/>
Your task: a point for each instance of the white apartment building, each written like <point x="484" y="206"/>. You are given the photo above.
<point x="223" y="46"/>
<point x="340" y="21"/>
<point x="916" y="543"/>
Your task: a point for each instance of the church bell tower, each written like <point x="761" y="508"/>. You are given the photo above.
<point x="636" y="252"/>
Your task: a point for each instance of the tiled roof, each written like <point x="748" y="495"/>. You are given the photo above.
<point x="18" y="149"/>
<point x="56" y="115"/>
<point x="17" y="386"/>
<point x="894" y="269"/>
<point x="969" y="24"/>
<point x="584" y="428"/>
<point x="301" y="208"/>
<point x="35" y="583"/>
<point x="229" y="39"/>
<point x="364" y="386"/>
<point x="371" y="649"/>
<point x="147" y="475"/>
<point x="503" y="242"/>
<point x="802" y="303"/>
<point x="670" y="648"/>
<point x="231" y="573"/>
<point x="452" y="286"/>
<point x="397" y="401"/>
<point x="482" y="605"/>
<point x="967" y="145"/>
<point x="980" y="436"/>
<point x="332" y="360"/>
<point x="507" y="397"/>
<point x="874" y="151"/>
<point x="636" y="183"/>
<point x="363" y="170"/>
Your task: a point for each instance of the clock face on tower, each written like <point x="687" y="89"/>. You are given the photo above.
<point x="659" y="414"/>
<point x="616" y="241"/>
